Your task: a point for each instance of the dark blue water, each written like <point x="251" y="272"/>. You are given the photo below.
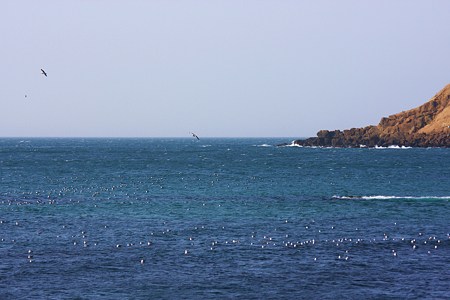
<point x="221" y="218"/>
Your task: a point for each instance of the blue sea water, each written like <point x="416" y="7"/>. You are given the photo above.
<point x="221" y="218"/>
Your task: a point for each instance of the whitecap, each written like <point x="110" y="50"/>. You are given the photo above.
<point x="392" y="147"/>
<point x="293" y="144"/>
<point x="386" y="197"/>
<point x="399" y="147"/>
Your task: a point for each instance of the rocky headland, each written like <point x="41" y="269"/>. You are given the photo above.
<point x="425" y="126"/>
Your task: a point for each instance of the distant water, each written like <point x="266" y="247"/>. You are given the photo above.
<point x="221" y="218"/>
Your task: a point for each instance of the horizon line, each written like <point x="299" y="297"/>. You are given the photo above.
<point x="149" y="137"/>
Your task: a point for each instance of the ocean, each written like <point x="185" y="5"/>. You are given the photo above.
<point x="221" y="218"/>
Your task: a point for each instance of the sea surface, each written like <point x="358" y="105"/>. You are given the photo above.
<point x="220" y="219"/>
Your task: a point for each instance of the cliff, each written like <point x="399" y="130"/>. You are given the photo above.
<point x="425" y="126"/>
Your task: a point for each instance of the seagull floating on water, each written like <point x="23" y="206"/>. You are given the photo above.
<point x="43" y="72"/>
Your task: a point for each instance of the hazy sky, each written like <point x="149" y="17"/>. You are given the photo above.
<point x="218" y="68"/>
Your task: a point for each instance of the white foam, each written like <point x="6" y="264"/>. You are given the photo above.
<point x="384" y="197"/>
<point x="264" y="145"/>
<point x="393" y="147"/>
<point x="293" y="144"/>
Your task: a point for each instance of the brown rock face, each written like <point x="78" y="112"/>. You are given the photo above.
<point x="425" y="126"/>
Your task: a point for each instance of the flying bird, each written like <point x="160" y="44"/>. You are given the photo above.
<point x="196" y="136"/>
<point x="43" y="72"/>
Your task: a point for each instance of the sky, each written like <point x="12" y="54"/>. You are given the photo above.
<point x="253" y="68"/>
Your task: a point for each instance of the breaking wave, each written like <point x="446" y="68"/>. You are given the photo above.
<point x="292" y="144"/>
<point x="382" y="197"/>
<point x="393" y="147"/>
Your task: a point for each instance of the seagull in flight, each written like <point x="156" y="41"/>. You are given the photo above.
<point x="194" y="135"/>
<point x="43" y="72"/>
